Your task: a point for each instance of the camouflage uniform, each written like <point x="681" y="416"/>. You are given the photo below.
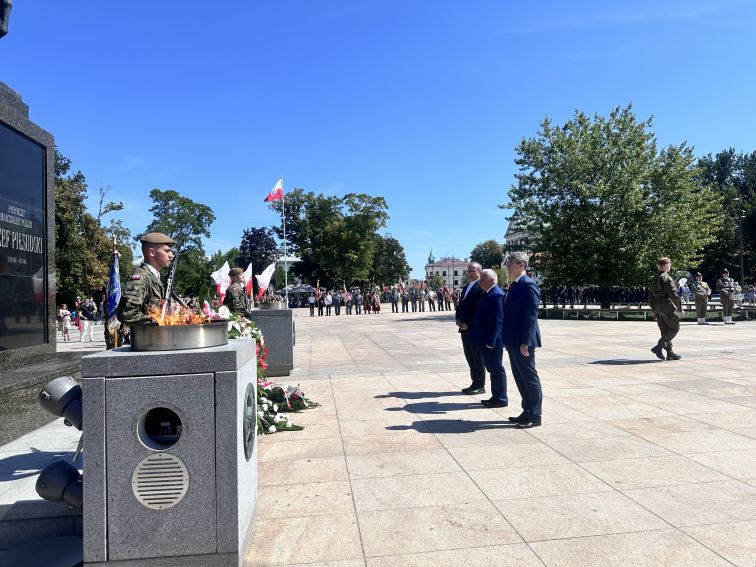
<point x="236" y="299"/>
<point x="702" y="291"/>
<point x="141" y="291"/>
<point x="664" y="301"/>
<point x="726" y="289"/>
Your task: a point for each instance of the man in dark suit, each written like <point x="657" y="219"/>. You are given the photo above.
<point x="486" y="334"/>
<point x="465" y="317"/>
<point x="521" y="336"/>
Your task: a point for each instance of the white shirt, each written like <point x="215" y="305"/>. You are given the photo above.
<point x="469" y="285"/>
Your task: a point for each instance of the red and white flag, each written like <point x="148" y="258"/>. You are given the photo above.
<point x="263" y="280"/>
<point x="276" y="194"/>
<point x="248" y="280"/>
<point x="401" y="286"/>
<point x="222" y="280"/>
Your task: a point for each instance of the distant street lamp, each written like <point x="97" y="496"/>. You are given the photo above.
<point x="741" y="216"/>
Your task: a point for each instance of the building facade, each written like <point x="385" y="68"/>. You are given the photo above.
<point x="450" y="270"/>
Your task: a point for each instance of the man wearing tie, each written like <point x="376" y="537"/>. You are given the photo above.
<point x="465" y="317"/>
<point x="521" y="336"/>
<point x="486" y="333"/>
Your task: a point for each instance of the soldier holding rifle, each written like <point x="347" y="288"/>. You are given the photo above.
<point x="144" y="289"/>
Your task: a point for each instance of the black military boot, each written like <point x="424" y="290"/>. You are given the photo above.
<point x="657" y="350"/>
<point x="670" y="353"/>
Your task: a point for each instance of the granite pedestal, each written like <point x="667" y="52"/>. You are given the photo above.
<point x="171" y="468"/>
<point x="277" y="326"/>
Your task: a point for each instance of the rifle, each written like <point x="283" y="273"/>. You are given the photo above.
<point x="169" y="286"/>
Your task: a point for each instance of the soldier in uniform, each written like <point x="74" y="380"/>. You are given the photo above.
<point x="702" y="291"/>
<point x="726" y="287"/>
<point x="236" y="296"/>
<point x="665" y="305"/>
<point x="144" y="288"/>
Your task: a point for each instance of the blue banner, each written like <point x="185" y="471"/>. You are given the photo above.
<point x="114" y="292"/>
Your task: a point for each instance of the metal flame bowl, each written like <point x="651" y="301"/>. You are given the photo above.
<point x="179" y="337"/>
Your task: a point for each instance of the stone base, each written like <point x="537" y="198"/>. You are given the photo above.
<point x="277" y="326"/>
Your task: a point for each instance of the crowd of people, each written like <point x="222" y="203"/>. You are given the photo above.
<point x="83" y="316"/>
<point x="356" y="301"/>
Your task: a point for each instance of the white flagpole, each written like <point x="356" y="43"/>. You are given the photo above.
<point x="286" y="266"/>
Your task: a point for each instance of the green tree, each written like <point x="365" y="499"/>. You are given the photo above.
<point x="602" y="203"/>
<point x="257" y="247"/>
<point x="121" y="235"/>
<point x="333" y="236"/>
<point x="733" y="177"/>
<point x="435" y="281"/>
<point x="186" y="222"/>
<point x="180" y="218"/>
<point x="487" y="253"/>
<point x="83" y="250"/>
<point x="389" y="261"/>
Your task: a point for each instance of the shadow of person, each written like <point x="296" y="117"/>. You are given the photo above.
<point x="435" y="408"/>
<point x="624" y="362"/>
<point x="418" y="395"/>
<point x="452" y="426"/>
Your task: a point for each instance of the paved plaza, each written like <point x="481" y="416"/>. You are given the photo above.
<point x="638" y="461"/>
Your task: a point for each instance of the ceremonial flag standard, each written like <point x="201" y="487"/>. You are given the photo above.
<point x="317" y="289"/>
<point x="401" y="286"/>
<point x="263" y="280"/>
<point x="114" y="293"/>
<point x="248" y="280"/>
<point x="276" y="194"/>
<point x="222" y="280"/>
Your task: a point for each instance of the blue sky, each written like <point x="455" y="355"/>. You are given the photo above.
<point x="422" y="102"/>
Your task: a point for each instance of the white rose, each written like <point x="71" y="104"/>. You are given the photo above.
<point x="260" y="413"/>
<point x="275" y="407"/>
<point x="272" y="429"/>
<point x="265" y="407"/>
<point x="276" y="418"/>
<point x="224" y="312"/>
<point x="288" y="422"/>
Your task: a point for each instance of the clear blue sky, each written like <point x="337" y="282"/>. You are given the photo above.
<point x="422" y="102"/>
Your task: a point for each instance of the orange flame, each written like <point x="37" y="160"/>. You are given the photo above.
<point x="177" y="315"/>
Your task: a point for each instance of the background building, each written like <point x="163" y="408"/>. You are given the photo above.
<point x="449" y="269"/>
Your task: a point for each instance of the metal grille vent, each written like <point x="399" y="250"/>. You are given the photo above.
<point x="160" y="481"/>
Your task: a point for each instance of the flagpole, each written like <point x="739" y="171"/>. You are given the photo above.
<point x="286" y="265"/>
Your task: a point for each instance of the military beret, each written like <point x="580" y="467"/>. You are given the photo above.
<point x="156" y="238"/>
<point x="725" y="271"/>
<point x="235" y="272"/>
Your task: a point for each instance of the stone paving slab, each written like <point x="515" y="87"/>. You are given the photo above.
<point x="638" y="462"/>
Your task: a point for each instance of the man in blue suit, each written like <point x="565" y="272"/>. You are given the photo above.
<point x="465" y="317"/>
<point x="486" y="334"/>
<point x="521" y="336"/>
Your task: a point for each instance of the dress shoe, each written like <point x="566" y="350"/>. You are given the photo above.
<point x="657" y="350"/>
<point x="530" y="422"/>
<point x="471" y="391"/>
<point x="491" y="403"/>
<point x="523" y="417"/>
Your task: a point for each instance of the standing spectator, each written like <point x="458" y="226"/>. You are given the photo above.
<point x="358" y="299"/>
<point x="702" y="291"/>
<point x="405" y="302"/>
<point x="726" y="288"/>
<point x="328" y="302"/>
<point x="348" y="301"/>
<point x="376" y="303"/>
<point x="521" y="336"/>
<point x="431" y="300"/>
<point x="455" y="298"/>
<point x="413" y="299"/>
<point x="440" y="299"/>
<point x="65" y="321"/>
<point x="75" y="314"/>
<point x="465" y="317"/>
<point x="486" y="334"/>
<point x="311" y="302"/>
<point x="87" y="317"/>
<point x="337" y="303"/>
<point x="665" y="304"/>
<point x="394" y="301"/>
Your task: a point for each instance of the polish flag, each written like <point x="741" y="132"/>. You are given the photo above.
<point x="276" y="194"/>
<point x="263" y="280"/>
<point x="222" y="280"/>
<point x="248" y="280"/>
<point x="401" y="286"/>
